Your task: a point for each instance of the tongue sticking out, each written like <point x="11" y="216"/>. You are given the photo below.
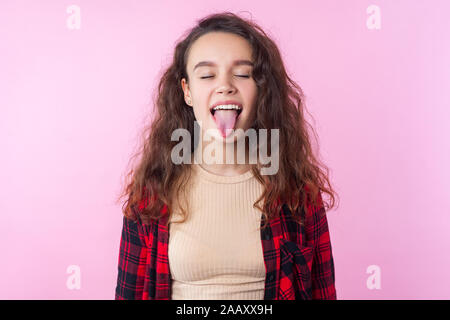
<point x="225" y="119"/>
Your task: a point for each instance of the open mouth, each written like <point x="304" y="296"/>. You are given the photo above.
<point x="226" y="120"/>
<point x="238" y="111"/>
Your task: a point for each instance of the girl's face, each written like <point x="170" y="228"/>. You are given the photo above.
<point x="219" y="67"/>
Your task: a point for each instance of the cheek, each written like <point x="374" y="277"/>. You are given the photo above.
<point x="251" y="95"/>
<point x="201" y="112"/>
<point x="251" y="90"/>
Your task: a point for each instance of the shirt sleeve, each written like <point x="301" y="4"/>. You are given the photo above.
<point x="322" y="273"/>
<point x="132" y="261"/>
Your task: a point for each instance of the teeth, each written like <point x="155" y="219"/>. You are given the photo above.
<point x="227" y="107"/>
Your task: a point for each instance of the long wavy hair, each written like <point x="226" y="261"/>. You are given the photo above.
<point x="152" y="186"/>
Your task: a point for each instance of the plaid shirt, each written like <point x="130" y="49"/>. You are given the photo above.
<point x="298" y="259"/>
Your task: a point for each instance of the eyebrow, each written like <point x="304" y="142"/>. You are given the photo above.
<point x="212" y="64"/>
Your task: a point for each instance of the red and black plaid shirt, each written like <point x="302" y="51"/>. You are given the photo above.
<point x="298" y="259"/>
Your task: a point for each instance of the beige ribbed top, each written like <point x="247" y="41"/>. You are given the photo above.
<point x="217" y="253"/>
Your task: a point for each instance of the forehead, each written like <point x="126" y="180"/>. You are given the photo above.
<point x="219" y="48"/>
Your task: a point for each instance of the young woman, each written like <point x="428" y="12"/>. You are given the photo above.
<point x="196" y="229"/>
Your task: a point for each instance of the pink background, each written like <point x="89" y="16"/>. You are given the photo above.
<point x="73" y="102"/>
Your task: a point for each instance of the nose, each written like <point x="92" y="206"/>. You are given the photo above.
<point x="225" y="86"/>
<point x="227" y="90"/>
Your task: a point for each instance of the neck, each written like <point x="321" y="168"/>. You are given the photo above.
<point x="221" y="158"/>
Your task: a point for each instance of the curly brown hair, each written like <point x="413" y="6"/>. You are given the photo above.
<point x="154" y="183"/>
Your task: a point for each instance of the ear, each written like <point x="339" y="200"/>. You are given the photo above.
<point x="187" y="96"/>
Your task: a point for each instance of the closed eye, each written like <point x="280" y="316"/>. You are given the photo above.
<point x="237" y="75"/>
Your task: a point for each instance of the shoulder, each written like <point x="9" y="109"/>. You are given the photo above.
<point x="303" y="224"/>
<point x="134" y="227"/>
